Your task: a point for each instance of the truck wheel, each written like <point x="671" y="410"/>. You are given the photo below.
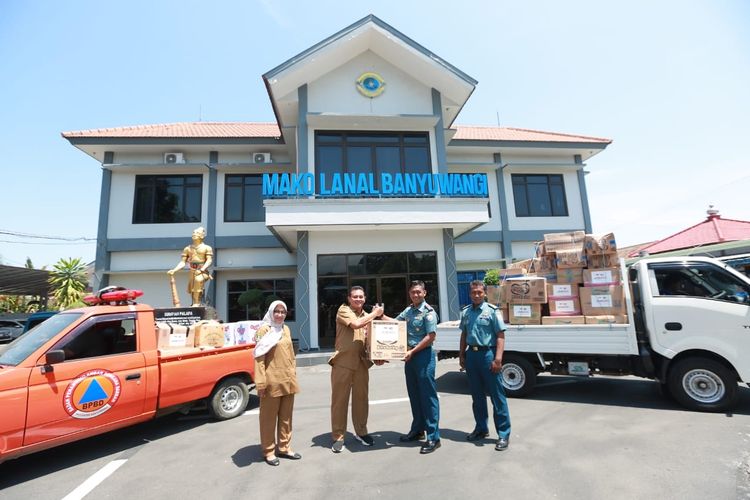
<point x="519" y="377"/>
<point x="229" y="399"/>
<point x="703" y="384"/>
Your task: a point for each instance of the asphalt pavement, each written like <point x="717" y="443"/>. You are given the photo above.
<point x="573" y="438"/>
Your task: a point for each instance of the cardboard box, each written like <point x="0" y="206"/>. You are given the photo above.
<point x="505" y="309"/>
<point x="607" y="320"/>
<point x="600" y="244"/>
<point x="563" y="320"/>
<point x="525" y="314"/>
<point x="564" y="241"/>
<point x="525" y="290"/>
<point x="521" y="264"/>
<point x="602" y="300"/>
<point x="495" y="294"/>
<point x="209" y="333"/>
<point x="241" y="332"/>
<point x="386" y="340"/>
<point x="570" y="306"/>
<point x="545" y="264"/>
<point x="602" y="276"/>
<point x="602" y="260"/>
<point x="570" y="258"/>
<point x="550" y="276"/>
<point x="570" y="275"/>
<point x="562" y="290"/>
<point x="171" y="335"/>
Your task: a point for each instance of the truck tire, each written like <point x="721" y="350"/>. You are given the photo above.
<point x="229" y="399"/>
<point x="519" y="376"/>
<point x="703" y="384"/>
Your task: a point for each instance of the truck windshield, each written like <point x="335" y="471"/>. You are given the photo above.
<point x="22" y="347"/>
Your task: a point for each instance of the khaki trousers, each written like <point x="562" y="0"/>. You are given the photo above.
<point x="276" y="423"/>
<point x="344" y="382"/>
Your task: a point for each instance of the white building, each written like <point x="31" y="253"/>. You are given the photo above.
<point x="366" y="100"/>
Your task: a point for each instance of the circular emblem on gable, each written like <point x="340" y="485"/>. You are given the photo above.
<point x="370" y="84"/>
<point x="91" y="393"/>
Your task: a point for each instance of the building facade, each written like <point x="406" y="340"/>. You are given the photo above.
<point x="363" y="179"/>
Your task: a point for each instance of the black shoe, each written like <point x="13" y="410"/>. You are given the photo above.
<point x="412" y="436"/>
<point x="502" y="444"/>
<point x="272" y="461"/>
<point x="429" y="447"/>
<point x="477" y="435"/>
<point x="290" y="456"/>
<point x="365" y="440"/>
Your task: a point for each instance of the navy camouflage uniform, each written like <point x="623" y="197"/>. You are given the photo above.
<point x="481" y="325"/>
<point x="420" y="371"/>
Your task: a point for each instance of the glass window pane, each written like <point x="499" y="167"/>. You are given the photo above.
<point x="539" y="204"/>
<point x="387" y="159"/>
<point x="330" y="159"/>
<point x="254" y="211"/>
<point x="422" y="262"/>
<point x="331" y="264"/>
<point x="416" y="160"/>
<point x="359" y="159"/>
<point x="237" y="285"/>
<point x="385" y="263"/>
<point x="328" y="138"/>
<point x="559" y="207"/>
<point x="192" y="204"/>
<point x="520" y="201"/>
<point x="356" y="264"/>
<point x="233" y="204"/>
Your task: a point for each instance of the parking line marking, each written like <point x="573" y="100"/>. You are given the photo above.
<point x="94" y="481"/>
<point x="387" y="401"/>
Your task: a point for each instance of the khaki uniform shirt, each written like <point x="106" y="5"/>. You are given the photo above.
<point x="350" y="342"/>
<point x="276" y="370"/>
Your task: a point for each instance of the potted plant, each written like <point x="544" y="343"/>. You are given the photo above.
<point x="492" y="283"/>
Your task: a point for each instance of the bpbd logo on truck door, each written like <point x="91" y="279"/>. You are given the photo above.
<point x="92" y="393"/>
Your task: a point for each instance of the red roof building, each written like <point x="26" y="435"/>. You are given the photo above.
<point x="711" y="231"/>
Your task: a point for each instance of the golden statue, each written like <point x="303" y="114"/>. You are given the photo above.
<point x="199" y="257"/>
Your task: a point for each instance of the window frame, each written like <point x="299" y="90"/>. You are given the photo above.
<point x="154" y="179"/>
<point x="243" y="187"/>
<point x="348" y="139"/>
<point x="521" y="179"/>
<point x="291" y="310"/>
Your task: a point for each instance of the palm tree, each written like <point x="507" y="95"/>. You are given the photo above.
<point x="68" y="282"/>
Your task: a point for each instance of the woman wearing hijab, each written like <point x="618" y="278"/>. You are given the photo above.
<point x="276" y="381"/>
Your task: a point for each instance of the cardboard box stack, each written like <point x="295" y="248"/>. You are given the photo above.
<point x="171" y="336"/>
<point x="581" y="281"/>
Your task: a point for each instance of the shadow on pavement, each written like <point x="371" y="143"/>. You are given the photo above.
<point x="601" y="390"/>
<point x="125" y="441"/>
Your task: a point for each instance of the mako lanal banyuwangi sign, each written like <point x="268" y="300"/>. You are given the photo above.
<point x="370" y="184"/>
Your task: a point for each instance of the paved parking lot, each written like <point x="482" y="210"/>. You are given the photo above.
<point x="573" y="438"/>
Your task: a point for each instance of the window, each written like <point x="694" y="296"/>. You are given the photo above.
<point x="100" y="337"/>
<point x="464" y="279"/>
<point x="243" y="198"/>
<point x="372" y="152"/>
<point x="539" y="195"/>
<point x="698" y="279"/>
<point x="161" y="199"/>
<point x="249" y="299"/>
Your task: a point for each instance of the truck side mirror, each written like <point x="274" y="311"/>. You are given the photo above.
<point x="51" y="358"/>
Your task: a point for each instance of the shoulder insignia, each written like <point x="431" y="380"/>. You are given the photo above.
<point x="492" y="306"/>
<point x="466" y="307"/>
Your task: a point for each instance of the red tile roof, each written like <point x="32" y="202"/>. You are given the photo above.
<point x="479" y="133"/>
<point x="248" y="129"/>
<point x="712" y="230"/>
<point x="184" y="130"/>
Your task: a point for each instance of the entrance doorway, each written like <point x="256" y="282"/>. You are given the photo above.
<point x="384" y="276"/>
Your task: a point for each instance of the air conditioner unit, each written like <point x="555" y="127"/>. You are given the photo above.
<point x="174" y="158"/>
<point x="261" y="157"/>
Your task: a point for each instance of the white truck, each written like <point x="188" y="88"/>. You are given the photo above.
<point x="688" y="328"/>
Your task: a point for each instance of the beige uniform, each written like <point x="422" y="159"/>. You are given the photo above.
<point x="349" y="375"/>
<point x="276" y="372"/>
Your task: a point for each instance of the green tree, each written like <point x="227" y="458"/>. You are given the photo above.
<point x="68" y="282"/>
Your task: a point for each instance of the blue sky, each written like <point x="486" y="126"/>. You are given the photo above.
<point x="667" y="81"/>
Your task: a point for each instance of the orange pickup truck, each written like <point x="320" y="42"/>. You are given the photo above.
<point x="88" y="371"/>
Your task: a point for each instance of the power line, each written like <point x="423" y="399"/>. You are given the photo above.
<point x="49" y="243"/>
<point x="43" y="236"/>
